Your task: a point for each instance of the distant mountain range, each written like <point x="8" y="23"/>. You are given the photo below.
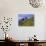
<point x="25" y="16"/>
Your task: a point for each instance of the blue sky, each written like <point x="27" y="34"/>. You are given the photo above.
<point x="20" y="16"/>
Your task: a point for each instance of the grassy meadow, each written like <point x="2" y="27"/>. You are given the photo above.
<point x="27" y="21"/>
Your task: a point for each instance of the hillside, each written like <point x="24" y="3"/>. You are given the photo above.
<point x="28" y="22"/>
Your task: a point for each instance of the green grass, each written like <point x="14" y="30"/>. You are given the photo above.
<point x="28" y="22"/>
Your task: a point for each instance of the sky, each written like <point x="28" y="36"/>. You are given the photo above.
<point x="20" y="16"/>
